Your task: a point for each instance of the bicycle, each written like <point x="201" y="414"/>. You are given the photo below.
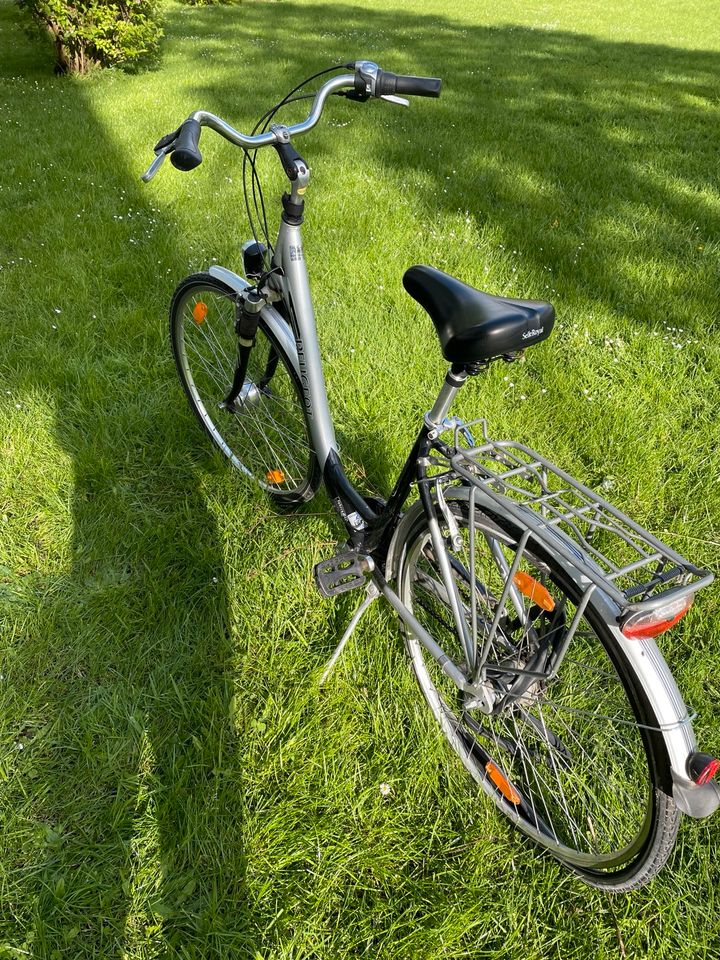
<point x="528" y="603"/>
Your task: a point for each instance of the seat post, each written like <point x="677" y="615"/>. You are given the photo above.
<point x="456" y="377"/>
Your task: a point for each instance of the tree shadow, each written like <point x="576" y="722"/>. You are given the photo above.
<point x="125" y="767"/>
<point x="587" y="155"/>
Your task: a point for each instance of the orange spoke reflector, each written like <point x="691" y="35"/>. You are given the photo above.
<point x="200" y="311"/>
<point x="502" y="783"/>
<point x="275" y="476"/>
<point x="533" y="590"/>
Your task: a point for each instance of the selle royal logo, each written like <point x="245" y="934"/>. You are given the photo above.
<point x="532" y="333"/>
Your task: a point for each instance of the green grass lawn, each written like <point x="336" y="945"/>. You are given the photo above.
<point x="173" y="784"/>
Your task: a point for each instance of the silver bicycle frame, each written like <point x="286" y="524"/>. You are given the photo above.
<point x="295" y="282"/>
<point x="303" y="350"/>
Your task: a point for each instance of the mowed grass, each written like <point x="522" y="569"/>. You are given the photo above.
<point x="173" y="782"/>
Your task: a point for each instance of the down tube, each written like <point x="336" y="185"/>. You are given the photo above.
<point x="292" y="261"/>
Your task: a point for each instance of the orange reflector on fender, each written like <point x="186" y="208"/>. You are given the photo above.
<point x="200" y="311"/>
<point x="275" y="476"/>
<point x="502" y="783"/>
<point x="535" y="591"/>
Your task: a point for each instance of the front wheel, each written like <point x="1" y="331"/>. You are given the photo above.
<point x="263" y="432"/>
<point x="573" y="761"/>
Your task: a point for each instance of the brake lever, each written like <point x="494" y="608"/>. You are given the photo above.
<point x="154" y="166"/>
<point x="391" y="98"/>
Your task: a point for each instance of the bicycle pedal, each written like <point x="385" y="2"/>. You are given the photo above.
<point x="341" y="573"/>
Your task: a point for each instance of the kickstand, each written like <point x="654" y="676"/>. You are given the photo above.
<point x="371" y="594"/>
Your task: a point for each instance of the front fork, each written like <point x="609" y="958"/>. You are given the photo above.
<point x="248" y="307"/>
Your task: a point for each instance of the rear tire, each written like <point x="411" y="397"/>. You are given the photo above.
<point x="266" y="436"/>
<point x="570" y="761"/>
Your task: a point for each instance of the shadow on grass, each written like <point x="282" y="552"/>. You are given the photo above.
<point x="587" y="156"/>
<point x="594" y="159"/>
<point x="121" y="824"/>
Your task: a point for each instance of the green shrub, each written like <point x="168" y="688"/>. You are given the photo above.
<point x="90" y="33"/>
<point x="209" y="3"/>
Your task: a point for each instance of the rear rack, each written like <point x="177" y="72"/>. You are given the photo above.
<point x="630" y="565"/>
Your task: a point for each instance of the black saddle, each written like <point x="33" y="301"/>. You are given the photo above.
<point x="474" y="326"/>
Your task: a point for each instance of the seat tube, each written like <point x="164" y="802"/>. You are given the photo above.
<point x="289" y="255"/>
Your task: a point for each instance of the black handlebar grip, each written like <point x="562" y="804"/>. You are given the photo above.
<point x="186" y="155"/>
<point x="418" y="86"/>
<point x="388" y="83"/>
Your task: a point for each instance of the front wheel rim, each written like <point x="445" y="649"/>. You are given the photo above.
<point x="265" y="435"/>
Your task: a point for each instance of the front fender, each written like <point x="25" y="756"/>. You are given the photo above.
<point x="272" y="319"/>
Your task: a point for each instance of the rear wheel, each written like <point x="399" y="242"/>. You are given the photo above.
<point x="571" y="761"/>
<point x="264" y="434"/>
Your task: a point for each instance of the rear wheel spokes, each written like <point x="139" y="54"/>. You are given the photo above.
<point x="570" y="746"/>
<point x="558" y="753"/>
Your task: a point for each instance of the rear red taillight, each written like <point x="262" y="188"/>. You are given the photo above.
<point x="651" y="623"/>
<point x="702" y="767"/>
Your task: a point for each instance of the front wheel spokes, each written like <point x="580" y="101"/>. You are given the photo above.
<point x="275" y="441"/>
<point x="263" y="432"/>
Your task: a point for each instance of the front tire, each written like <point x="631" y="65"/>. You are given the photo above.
<point x="265" y="435"/>
<point x="572" y="762"/>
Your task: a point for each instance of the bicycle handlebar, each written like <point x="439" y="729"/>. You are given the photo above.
<point x="368" y="80"/>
